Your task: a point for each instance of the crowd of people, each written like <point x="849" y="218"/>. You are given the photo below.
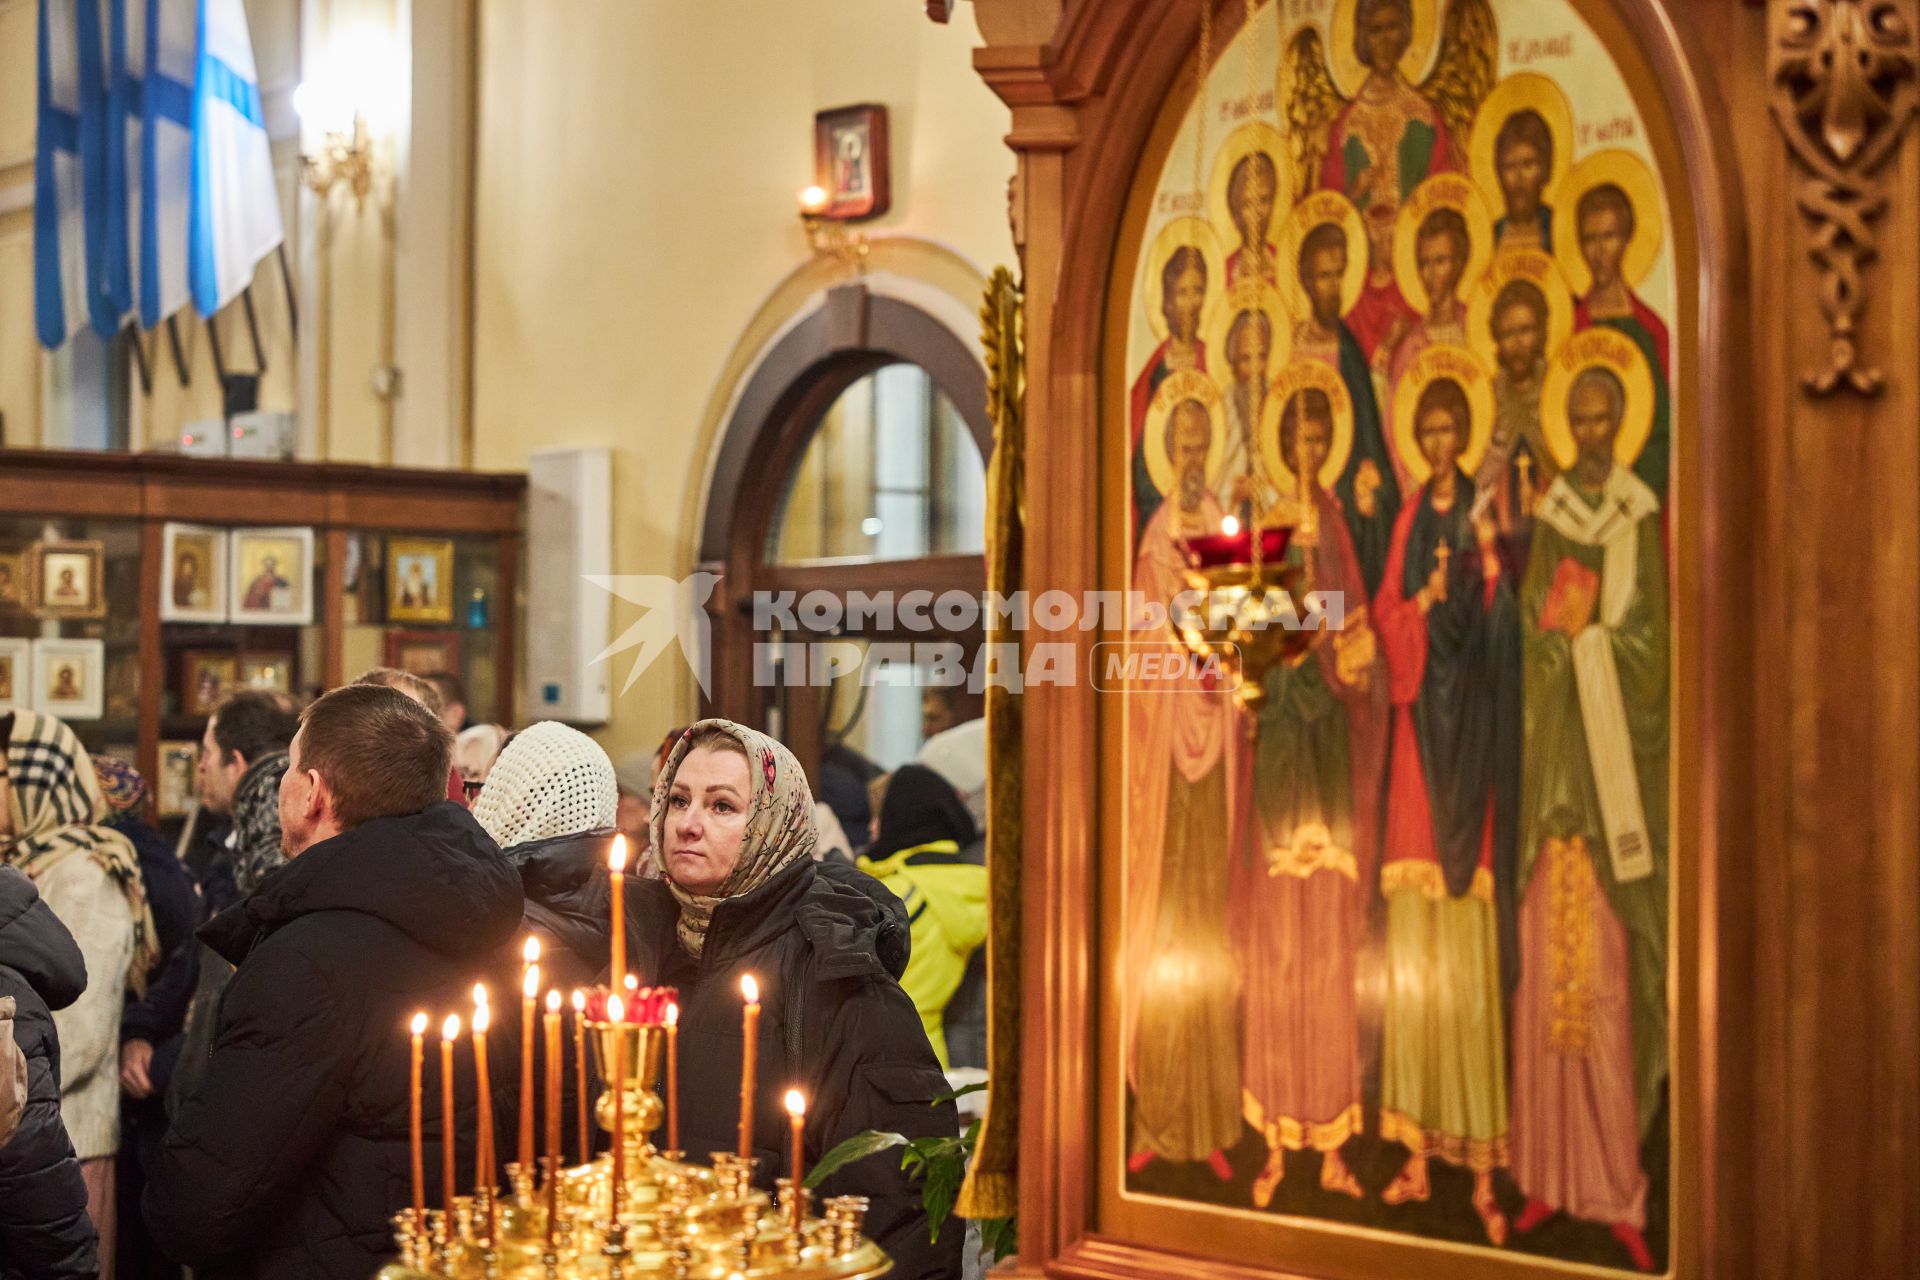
<point x="202" y="1065"/>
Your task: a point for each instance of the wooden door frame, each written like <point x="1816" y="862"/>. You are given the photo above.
<point x="854" y="332"/>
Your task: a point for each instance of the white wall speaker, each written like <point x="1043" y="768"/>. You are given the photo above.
<point x="569" y="535"/>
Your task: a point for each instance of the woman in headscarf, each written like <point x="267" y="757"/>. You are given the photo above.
<point x="741" y="894"/>
<point x="88" y="873"/>
<point x="920" y="855"/>
<point x="255" y="852"/>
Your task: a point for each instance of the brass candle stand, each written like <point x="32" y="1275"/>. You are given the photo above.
<point x="678" y="1220"/>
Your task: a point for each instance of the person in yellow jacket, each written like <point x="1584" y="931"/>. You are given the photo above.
<point x="921" y="854"/>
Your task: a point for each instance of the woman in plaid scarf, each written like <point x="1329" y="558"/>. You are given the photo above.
<point x="88" y="873"/>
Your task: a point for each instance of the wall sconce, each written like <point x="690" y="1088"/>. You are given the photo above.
<point x="829" y="237"/>
<point x="344" y="114"/>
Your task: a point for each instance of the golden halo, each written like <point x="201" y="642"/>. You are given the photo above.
<point x="1349" y="75"/>
<point x="1608" y="349"/>
<point x="1441" y="191"/>
<point x="1299" y="376"/>
<point x="1537" y="268"/>
<point x="1317" y="210"/>
<point x="1465" y="368"/>
<point x="1243" y="142"/>
<point x="1176" y="234"/>
<point x="1631" y="174"/>
<point x="1190" y="385"/>
<point x="1249" y="295"/>
<point x="1522" y="91"/>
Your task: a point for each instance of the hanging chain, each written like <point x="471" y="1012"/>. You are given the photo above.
<point x="1200" y="98"/>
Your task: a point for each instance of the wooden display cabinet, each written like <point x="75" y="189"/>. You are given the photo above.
<point x="125" y="502"/>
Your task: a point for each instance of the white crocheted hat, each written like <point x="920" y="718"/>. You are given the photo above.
<point x="550" y="781"/>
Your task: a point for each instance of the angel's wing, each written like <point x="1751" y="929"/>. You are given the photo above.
<point x="1312" y="101"/>
<point x="1469" y="50"/>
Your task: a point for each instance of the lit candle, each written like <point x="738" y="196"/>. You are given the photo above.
<point x="617" y="866"/>
<point x="673" y="1077"/>
<point x="812" y="199"/>
<point x="449" y="1032"/>
<point x="483" y="1155"/>
<point x="796" y="1161"/>
<point x="580" y="1071"/>
<point x="749" y="1033"/>
<point x="529" y="991"/>
<point x="419" y="1142"/>
<point x="616" y="1014"/>
<point x="555" y="1066"/>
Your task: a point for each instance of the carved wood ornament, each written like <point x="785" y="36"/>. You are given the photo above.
<point x="1843" y="92"/>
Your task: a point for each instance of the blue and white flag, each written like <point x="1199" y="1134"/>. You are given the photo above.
<point x="235" y="213"/>
<point x="70" y="274"/>
<point x="166" y="58"/>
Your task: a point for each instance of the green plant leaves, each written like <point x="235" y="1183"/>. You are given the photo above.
<point x="858" y="1147"/>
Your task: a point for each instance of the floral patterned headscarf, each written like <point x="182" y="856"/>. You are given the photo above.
<point x="779" y="832"/>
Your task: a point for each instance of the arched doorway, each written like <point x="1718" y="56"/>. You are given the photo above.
<point x="851" y="473"/>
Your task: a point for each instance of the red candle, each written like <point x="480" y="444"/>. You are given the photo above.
<point x="1209" y="550"/>
<point x="615" y="1012"/>
<point x="418" y="1140"/>
<point x="796" y="1159"/>
<point x="617" y="866"/>
<point x="749" y="1032"/>
<point x="449" y="1032"/>
<point x="555" y="1065"/>
<point x="529" y="989"/>
<point x="580" y="1071"/>
<point x="483" y="1154"/>
<point x="673" y="1077"/>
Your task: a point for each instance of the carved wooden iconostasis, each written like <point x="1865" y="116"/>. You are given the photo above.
<point x="1495" y="940"/>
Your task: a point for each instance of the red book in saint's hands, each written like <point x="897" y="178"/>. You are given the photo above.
<point x="1570" y="600"/>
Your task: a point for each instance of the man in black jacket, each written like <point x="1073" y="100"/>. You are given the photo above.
<point x="291" y="1157"/>
<point x="44" y="1229"/>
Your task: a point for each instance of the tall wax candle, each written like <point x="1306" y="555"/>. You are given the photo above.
<point x="796" y="1157"/>
<point x="416" y="1137"/>
<point x="617" y="867"/>
<point x="749" y="1053"/>
<point x="580" y="1072"/>
<point x="483" y="1158"/>
<point x="556" y="1064"/>
<point x="449" y="1032"/>
<point x="673" y="1077"/>
<point x="529" y="992"/>
<point x="616" y="1014"/>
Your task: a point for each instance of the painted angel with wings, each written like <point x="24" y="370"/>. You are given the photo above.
<point x="1359" y="125"/>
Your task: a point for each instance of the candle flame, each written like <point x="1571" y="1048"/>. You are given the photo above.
<point x="553" y="1001"/>
<point x="749" y="988"/>
<point x="579" y="1000"/>
<point x="482" y="1019"/>
<point x="617" y="857"/>
<point x="531" y="986"/>
<point x="450" y="1029"/>
<point x="796" y="1104"/>
<point x="813" y="199"/>
<point x="531" y="951"/>
<point x="632" y="983"/>
<point x="673" y="1014"/>
<point x="1230" y="526"/>
<point x="616" y="1011"/>
<point x="419" y="1024"/>
<point x="480" y="993"/>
